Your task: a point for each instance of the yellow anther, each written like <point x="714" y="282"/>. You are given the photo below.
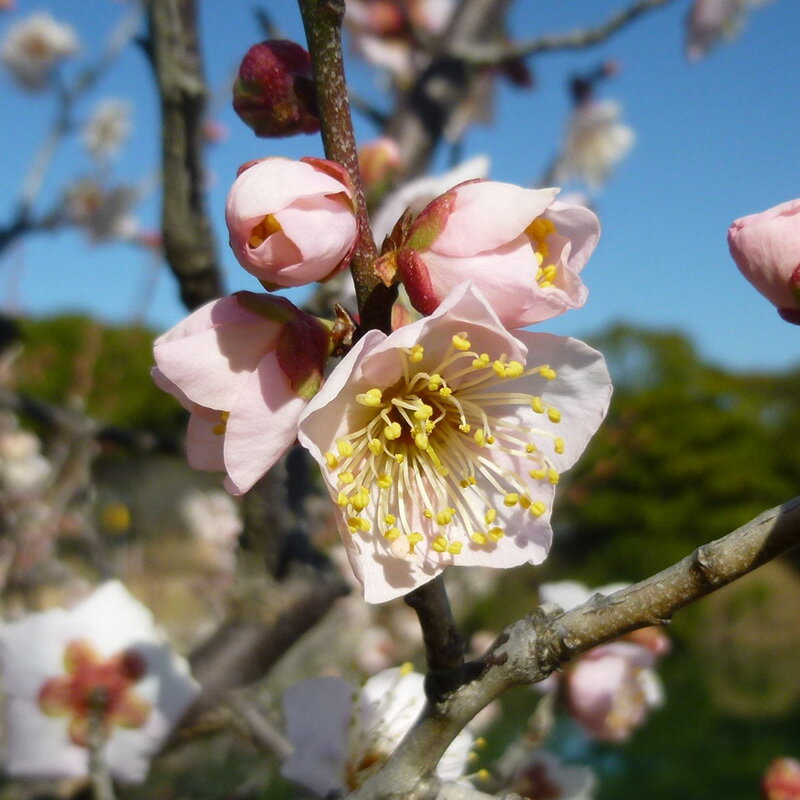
<point x="220" y="427"/>
<point x="390" y="519"/>
<point x="406" y="668"/>
<point x="479" y="743"/>
<point x="439" y="544"/>
<point x="435" y="381"/>
<point x="490" y="439"/>
<point x="525" y="501"/>
<point x="454" y="548"/>
<point x="511" y="499"/>
<point x="421" y="441"/>
<point x="552" y="476"/>
<point x="417" y="351"/>
<point x="537" y="405"/>
<point x="445" y="391"/>
<point x="359" y="524"/>
<point x="263" y="230"/>
<point x="346" y="477"/>
<point x="472" y="757"/>
<point x="444" y="517"/>
<point x="464" y="427"/>
<point x="539" y="260"/>
<point x="550" y="272"/>
<point x="360" y="500"/>
<point x="415" y="538"/>
<point x="483" y="775"/>
<point x="481" y="361"/>
<point x="496" y="534"/>
<point x="537" y="474"/>
<point x="429" y="426"/>
<point x="514" y="369"/>
<point x="490" y="516"/>
<point x="464" y="484"/>
<point x="499" y="369"/>
<point x="392" y="431"/>
<point x="538" y="508"/>
<point x="331" y="460"/>
<point x="423" y="412"/>
<point x="344" y="447"/>
<point x="392" y="533"/>
<point x="460" y="342"/>
<point x="375" y="446"/>
<point x="342" y="499"/>
<point x="480" y="437"/>
<point x="400" y="458"/>
<point x="558" y="445"/>
<point x="428" y="513"/>
<point x="478" y="537"/>
<point x="530" y="448"/>
<point x="371" y="398"/>
<point x="384" y="480"/>
<point x="554" y="415"/>
<point x="547" y="372"/>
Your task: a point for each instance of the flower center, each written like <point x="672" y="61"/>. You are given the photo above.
<point x="427" y="451"/>
<point x="263" y="230"/>
<point x="537" y="232"/>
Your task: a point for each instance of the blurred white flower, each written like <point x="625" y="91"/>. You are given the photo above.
<point x="60" y="666"/>
<point x="213" y="520"/>
<point x="710" y="21"/>
<point x="595" y="142"/>
<point x="104" y="213"/>
<point x="33" y="46"/>
<point x="22" y="465"/>
<point x="107" y="129"/>
<point x="540" y="775"/>
<point x="341" y="738"/>
<point x="418" y="193"/>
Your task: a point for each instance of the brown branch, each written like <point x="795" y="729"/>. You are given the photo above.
<point x="530" y="649"/>
<point x="189" y="244"/>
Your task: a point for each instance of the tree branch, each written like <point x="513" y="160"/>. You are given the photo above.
<point x="530" y="649"/>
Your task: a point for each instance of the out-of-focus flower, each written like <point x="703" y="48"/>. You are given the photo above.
<point x="539" y="775"/>
<point x="245" y="367"/>
<point x="710" y="21"/>
<point x="781" y="781"/>
<point x="33" y="46"/>
<point x="416" y="194"/>
<point x="523" y="249"/>
<point x="108" y="128"/>
<point x="766" y="248"/>
<point x="291" y="222"/>
<point x="443" y="442"/>
<point x="274" y="91"/>
<point x="595" y="142"/>
<point x="214" y="131"/>
<point x="23" y="468"/>
<point x="105" y="214"/>
<point x="104" y="657"/>
<point x="341" y="738"/>
<point x="610" y="688"/>
<point x="214" y="521"/>
<point x="378" y="161"/>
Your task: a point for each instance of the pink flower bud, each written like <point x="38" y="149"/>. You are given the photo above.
<point x="766" y="248"/>
<point x="522" y="249"/>
<point x="292" y="222"/>
<point x="244" y="366"/>
<point x="378" y="160"/>
<point x="781" y="781"/>
<point x="274" y="91"/>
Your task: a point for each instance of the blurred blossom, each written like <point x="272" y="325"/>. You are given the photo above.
<point x="107" y="129"/>
<point x="105" y="214"/>
<point x="213" y="520"/>
<point x="378" y="160"/>
<point x="710" y="21"/>
<point x="342" y="737"/>
<point x="539" y="775"/>
<point x="416" y="194"/>
<point x="104" y="657"/>
<point x="33" y="46"/>
<point x="781" y="781"/>
<point x="23" y="468"/>
<point x="595" y="142"/>
<point x="214" y="131"/>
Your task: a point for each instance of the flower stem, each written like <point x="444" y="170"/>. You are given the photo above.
<point x="322" y="20"/>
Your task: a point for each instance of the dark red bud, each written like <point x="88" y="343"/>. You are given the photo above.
<point x="274" y="91"/>
<point x="417" y="280"/>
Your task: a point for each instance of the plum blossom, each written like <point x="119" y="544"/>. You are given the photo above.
<point x="244" y="366"/>
<point x="595" y="142"/>
<point x="710" y="21"/>
<point x="609" y="689"/>
<point x="291" y="222"/>
<point x="378" y="160"/>
<point x="443" y="442"/>
<point x="540" y="775"/>
<point x="108" y="128"/>
<point x="104" y="656"/>
<point x="33" y="46"/>
<point x="766" y="248"/>
<point x="214" y="521"/>
<point x="341" y="738"/>
<point x="522" y="248"/>
<point x="23" y="468"/>
<point x="781" y="781"/>
<point x="104" y="213"/>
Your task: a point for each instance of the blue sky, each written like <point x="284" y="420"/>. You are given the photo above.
<point x="716" y="140"/>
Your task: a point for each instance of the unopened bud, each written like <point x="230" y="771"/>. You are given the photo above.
<point x="274" y="91"/>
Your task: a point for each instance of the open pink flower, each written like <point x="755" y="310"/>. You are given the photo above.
<point x="245" y="367"/>
<point x="291" y="222"/>
<point x="443" y="442"/>
<point x="520" y="247"/>
<point x="766" y="248"/>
